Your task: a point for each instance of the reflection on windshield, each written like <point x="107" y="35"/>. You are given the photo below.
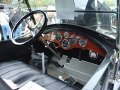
<point x="96" y="15"/>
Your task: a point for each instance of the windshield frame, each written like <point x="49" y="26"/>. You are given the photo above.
<point x="118" y="26"/>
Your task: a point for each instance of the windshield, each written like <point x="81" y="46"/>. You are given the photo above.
<point x="97" y="15"/>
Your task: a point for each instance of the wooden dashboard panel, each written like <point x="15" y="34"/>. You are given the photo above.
<point x="90" y="45"/>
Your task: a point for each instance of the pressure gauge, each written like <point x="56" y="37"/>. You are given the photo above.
<point x="73" y="40"/>
<point x="66" y="35"/>
<point x="82" y="42"/>
<point x="65" y="44"/>
<point x="58" y="37"/>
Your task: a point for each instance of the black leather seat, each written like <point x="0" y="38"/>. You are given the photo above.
<point x="20" y="73"/>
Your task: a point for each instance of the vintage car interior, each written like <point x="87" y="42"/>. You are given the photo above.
<point x="59" y="56"/>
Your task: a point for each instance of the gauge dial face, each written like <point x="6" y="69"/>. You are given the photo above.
<point x="82" y="42"/>
<point x="66" y="34"/>
<point x="93" y="55"/>
<point x="73" y="39"/>
<point x="65" y="44"/>
<point x="58" y="37"/>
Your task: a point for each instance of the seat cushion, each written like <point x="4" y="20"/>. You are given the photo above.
<point x="21" y="73"/>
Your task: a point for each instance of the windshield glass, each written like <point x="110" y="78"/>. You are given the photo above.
<point x="97" y="15"/>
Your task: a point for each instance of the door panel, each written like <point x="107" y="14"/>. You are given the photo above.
<point x="9" y="51"/>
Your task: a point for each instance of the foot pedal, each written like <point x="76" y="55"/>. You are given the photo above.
<point x="70" y="80"/>
<point x="79" y="85"/>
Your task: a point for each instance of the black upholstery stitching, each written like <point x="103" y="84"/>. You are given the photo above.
<point x="40" y="78"/>
<point x="23" y="83"/>
<point x="11" y="70"/>
<point x="20" y="73"/>
<point x="10" y="65"/>
<point x="34" y="75"/>
<point x="30" y="78"/>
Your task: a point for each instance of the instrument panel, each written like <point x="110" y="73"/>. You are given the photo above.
<point x="70" y="40"/>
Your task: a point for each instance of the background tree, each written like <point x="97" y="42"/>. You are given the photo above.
<point x="5" y="1"/>
<point x="41" y="3"/>
<point x="111" y="3"/>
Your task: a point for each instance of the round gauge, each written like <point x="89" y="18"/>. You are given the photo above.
<point x="82" y="42"/>
<point x="93" y="55"/>
<point x="58" y="36"/>
<point x="73" y="39"/>
<point x="66" y="34"/>
<point x="65" y="44"/>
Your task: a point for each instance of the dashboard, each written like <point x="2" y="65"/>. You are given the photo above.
<point x="75" y="42"/>
<point x="69" y="40"/>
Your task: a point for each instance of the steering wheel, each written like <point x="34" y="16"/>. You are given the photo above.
<point x="29" y="27"/>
